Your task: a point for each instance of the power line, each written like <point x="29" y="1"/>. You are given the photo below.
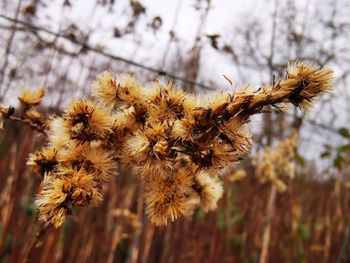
<point x="136" y="64"/>
<point x="86" y="46"/>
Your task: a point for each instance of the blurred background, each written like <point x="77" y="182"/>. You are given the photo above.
<point x="202" y="45"/>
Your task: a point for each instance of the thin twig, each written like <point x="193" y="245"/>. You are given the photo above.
<point x="8" y="49"/>
<point x="39" y="128"/>
<point x="36" y="241"/>
<point x="96" y="50"/>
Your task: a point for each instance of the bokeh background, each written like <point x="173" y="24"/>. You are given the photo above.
<point x="63" y="44"/>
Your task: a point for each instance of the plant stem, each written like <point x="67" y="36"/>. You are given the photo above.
<point x="267" y="230"/>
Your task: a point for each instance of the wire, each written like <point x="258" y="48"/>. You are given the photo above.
<point x="86" y="46"/>
<point x="136" y="64"/>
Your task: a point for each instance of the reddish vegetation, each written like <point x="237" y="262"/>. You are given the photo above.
<point x="309" y="222"/>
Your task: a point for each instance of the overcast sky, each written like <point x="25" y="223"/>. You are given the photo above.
<point x="149" y="47"/>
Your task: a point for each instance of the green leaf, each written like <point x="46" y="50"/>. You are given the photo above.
<point x="339" y="161"/>
<point x="199" y="215"/>
<point x="302" y="256"/>
<point x="344" y="148"/>
<point x="300" y="159"/>
<point x="325" y="154"/>
<point x="236" y="242"/>
<point x="222" y="220"/>
<point x="345" y="132"/>
<point x="303" y="232"/>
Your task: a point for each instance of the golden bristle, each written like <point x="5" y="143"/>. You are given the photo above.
<point x="87" y="121"/>
<point x="5" y="112"/>
<point x="168" y="198"/>
<point x="58" y="136"/>
<point x="167" y="102"/>
<point x="183" y="128"/>
<point x="177" y="143"/>
<point x="93" y="159"/>
<point x="277" y="162"/>
<point x="150" y="151"/>
<point x="210" y="190"/>
<point x="31" y="97"/>
<point x="305" y="81"/>
<point x="120" y="92"/>
<point x="124" y="121"/>
<point x="43" y="161"/>
<point x="51" y="202"/>
<point x="218" y="154"/>
<point x="82" y="187"/>
<point x="218" y="100"/>
<point x="148" y="156"/>
<point x="35" y="117"/>
<point x="237" y="175"/>
<point x="126" y="217"/>
<point x="70" y="187"/>
<point x="106" y="88"/>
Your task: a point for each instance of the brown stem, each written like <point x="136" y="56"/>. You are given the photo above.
<point x="267" y="230"/>
<point x="39" y="128"/>
<point x="344" y="255"/>
<point x="36" y="241"/>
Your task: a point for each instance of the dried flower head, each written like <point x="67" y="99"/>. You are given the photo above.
<point x="237" y="175"/>
<point x="167" y="102"/>
<point x="304" y="81"/>
<point x="69" y="187"/>
<point x="150" y="151"/>
<point x="122" y="93"/>
<point x="87" y="121"/>
<point x="5" y="112"/>
<point x="51" y="202"/>
<point x="276" y="163"/>
<point x="31" y="97"/>
<point x="35" y="117"/>
<point x="93" y="159"/>
<point x="168" y="198"/>
<point x="128" y="218"/>
<point x="176" y="142"/>
<point x="58" y="135"/>
<point x="210" y="190"/>
<point x="43" y="161"/>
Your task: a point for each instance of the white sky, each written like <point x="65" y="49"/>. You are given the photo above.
<point x="223" y="17"/>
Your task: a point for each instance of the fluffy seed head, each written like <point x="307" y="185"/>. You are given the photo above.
<point x="306" y="81"/>
<point x="58" y="136"/>
<point x="43" y="161"/>
<point x="92" y="159"/>
<point x="121" y="92"/>
<point x="31" y="97"/>
<point x="51" y="202"/>
<point x="168" y="198"/>
<point x="167" y="102"/>
<point x="87" y="121"/>
<point x="5" y="112"/>
<point x="210" y="190"/>
<point x="150" y="151"/>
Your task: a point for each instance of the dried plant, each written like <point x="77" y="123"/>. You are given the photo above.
<point x="127" y="218"/>
<point x="277" y="162"/>
<point x="237" y="175"/>
<point x="176" y="142"/>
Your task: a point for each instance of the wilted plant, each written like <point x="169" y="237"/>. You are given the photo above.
<point x="178" y="143"/>
<point x="277" y="162"/>
<point x="127" y="218"/>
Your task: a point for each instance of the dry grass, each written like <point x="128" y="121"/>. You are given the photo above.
<point x="309" y="219"/>
<point x="309" y="222"/>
